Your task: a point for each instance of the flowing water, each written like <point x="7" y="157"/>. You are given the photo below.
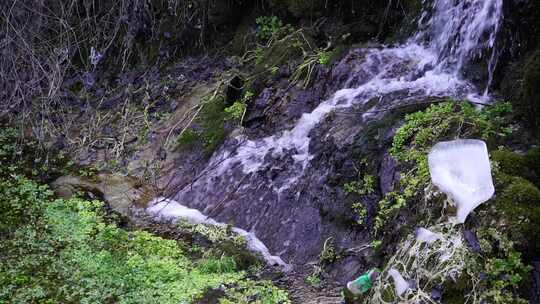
<point x="451" y="35"/>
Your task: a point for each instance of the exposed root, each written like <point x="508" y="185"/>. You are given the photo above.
<point x="426" y="266"/>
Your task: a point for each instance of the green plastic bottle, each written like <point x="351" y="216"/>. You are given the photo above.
<point x="363" y="283"/>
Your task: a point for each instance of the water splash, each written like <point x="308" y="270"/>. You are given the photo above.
<point x="461" y="31"/>
<point x="170" y="209"/>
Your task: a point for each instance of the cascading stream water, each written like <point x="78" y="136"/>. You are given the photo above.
<point x="452" y="33"/>
<point x="460" y="31"/>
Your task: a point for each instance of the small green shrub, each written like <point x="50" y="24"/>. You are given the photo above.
<point x="189" y="138"/>
<point x="23" y="156"/>
<point x="313" y="280"/>
<point x="503" y="266"/>
<point x="328" y="253"/>
<point x="268" y="26"/>
<point x="223" y="265"/>
<point x="254" y="292"/>
<point x="366" y="186"/>
<point x="360" y="188"/>
<point x="324" y="57"/>
<point x="238" y="109"/>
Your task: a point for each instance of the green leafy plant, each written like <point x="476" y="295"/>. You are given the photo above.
<point x="328" y="253"/>
<point x="324" y="57"/>
<point x="238" y="109"/>
<point x="314" y="280"/>
<point x="361" y="211"/>
<point x="376" y="244"/>
<point x="365" y="186"/>
<point x="503" y="266"/>
<point x="268" y="26"/>
<point x="72" y="251"/>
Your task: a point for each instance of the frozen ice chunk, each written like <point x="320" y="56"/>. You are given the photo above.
<point x="424" y="235"/>
<point x="461" y="169"/>
<point x="400" y="284"/>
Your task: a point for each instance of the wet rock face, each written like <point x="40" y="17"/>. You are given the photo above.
<point x="388" y="173"/>
<point x="518" y="38"/>
<point x="291" y="208"/>
<point x="472" y="241"/>
<point x="291" y="212"/>
<point x="536" y="283"/>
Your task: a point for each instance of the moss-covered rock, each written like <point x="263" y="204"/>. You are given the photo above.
<point x="519" y="203"/>
<point x="453" y="291"/>
<point x="510" y="162"/>
<point x="520" y="194"/>
<point x="532" y="160"/>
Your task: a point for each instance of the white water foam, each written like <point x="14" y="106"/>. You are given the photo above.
<point x="170" y="209"/>
<point x="461" y="30"/>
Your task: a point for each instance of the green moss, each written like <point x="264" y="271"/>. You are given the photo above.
<point x="453" y="291"/>
<point x="282" y="51"/>
<point x="209" y="130"/>
<point x="522" y="193"/>
<point x="532" y="160"/>
<point x="188" y="139"/>
<point x="510" y="162"/>
<point x="519" y="201"/>
<point x="513" y="164"/>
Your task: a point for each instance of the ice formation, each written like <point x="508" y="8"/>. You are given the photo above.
<point x="424" y="235"/>
<point x="170" y="209"/>
<point x="461" y="169"/>
<point x="400" y="284"/>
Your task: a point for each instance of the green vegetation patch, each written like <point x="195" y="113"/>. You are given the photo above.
<point x="421" y="130"/>
<point x="496" y="271"/>
<point x="68" y="253"/>
<point x="71" y="251"/>
<point x="212" y="120"/>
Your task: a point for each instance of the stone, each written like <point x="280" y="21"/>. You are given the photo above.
<point x="472" y="241"/>
<point x="387" y="173"/>
<point x="120" y="192"/>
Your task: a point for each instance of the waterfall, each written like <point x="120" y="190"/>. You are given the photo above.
<point x="456" y="33"/>
<point x="429" y="64"/>
<point x="463" y="30"/>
